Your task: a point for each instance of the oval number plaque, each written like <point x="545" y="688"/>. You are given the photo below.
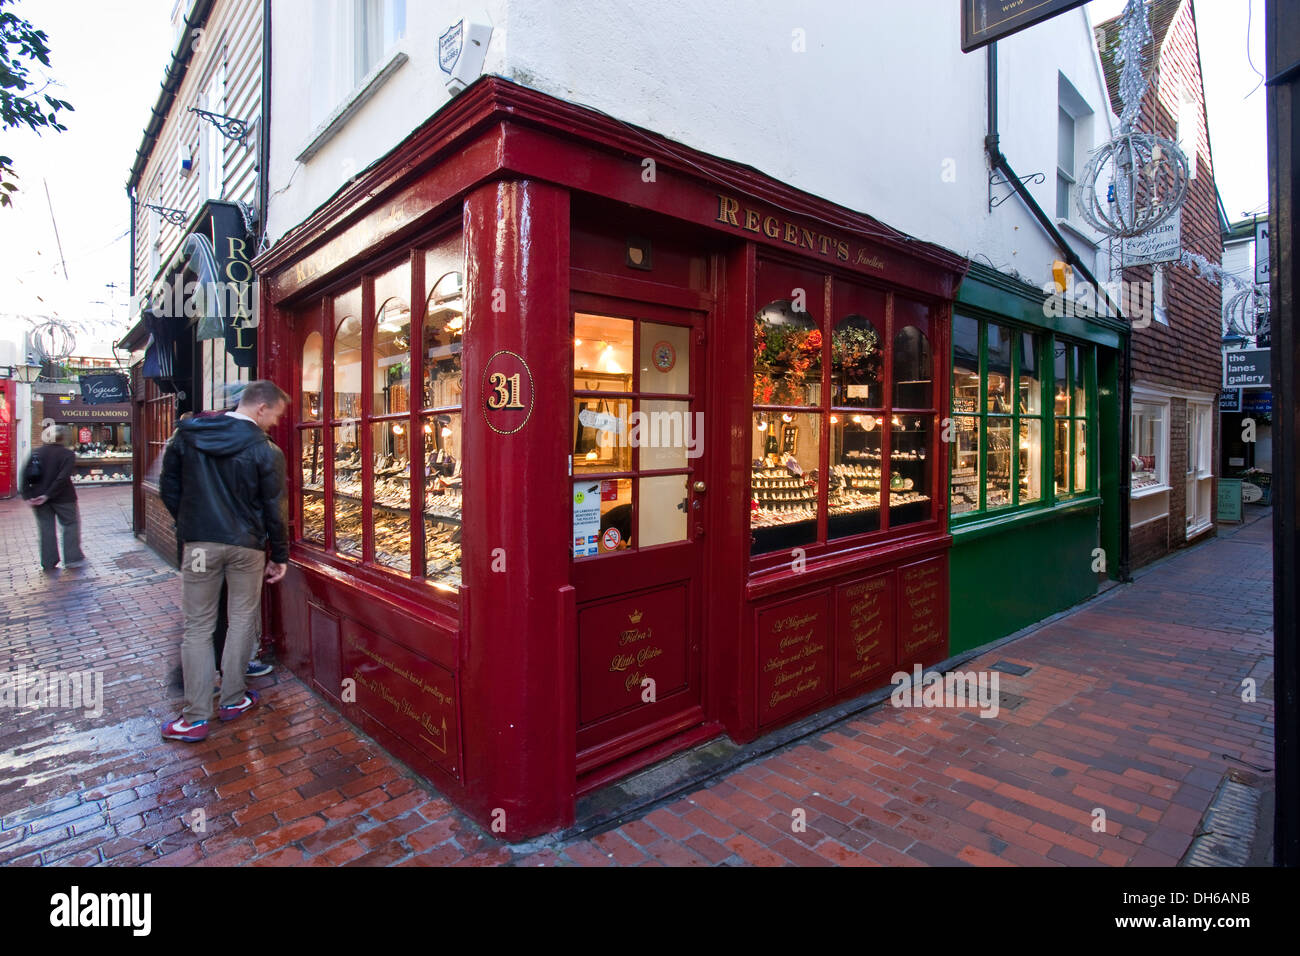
<point x="507" y="392"/>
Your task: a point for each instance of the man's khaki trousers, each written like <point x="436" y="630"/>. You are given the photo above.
<point x="204" y="566"/>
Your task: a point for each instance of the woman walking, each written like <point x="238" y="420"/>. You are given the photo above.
<point x="52" y="496"/>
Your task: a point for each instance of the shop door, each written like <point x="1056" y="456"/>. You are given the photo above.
<point x="639" y="506"/>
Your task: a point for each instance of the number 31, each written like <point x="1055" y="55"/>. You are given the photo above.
<point x="505" y="391"/>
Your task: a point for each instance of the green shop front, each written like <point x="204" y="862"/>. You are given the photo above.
<point x="1034" y="465"/>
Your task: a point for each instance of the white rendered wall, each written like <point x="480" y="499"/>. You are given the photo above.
<point x="880" y="113"/>
<point x="405" y="100"/>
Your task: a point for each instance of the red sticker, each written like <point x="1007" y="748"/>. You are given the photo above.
<point x="664" y="356"/>
<point x="609" y="491"/>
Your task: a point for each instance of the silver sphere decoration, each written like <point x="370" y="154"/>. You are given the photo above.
<point x="1132" y="184"/>
<point x="1246" y="313"/>
<point x="53" y="341"/>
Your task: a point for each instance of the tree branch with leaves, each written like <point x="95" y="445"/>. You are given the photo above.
<point x="23" y="100"/>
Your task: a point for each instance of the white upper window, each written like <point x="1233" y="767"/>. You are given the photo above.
<point x="352" y="37"/>
<point x="1073" y="131"/>
<point x="212" y="145"/>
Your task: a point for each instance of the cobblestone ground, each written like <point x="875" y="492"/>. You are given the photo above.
<point x="1132" y="704"/>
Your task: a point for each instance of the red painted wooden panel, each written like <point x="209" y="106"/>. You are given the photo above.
<point x="865" y="644"/>
<point x="922" y="609"/>
<point x="794" y="656"/>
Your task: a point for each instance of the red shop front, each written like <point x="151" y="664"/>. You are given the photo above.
<point x="599" y="458"/>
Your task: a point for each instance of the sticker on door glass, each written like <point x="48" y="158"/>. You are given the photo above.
<point x="601" y="421"/>
<point x="611" y="539"/>
<point x="586" y="519"/>
<point x="664" y="356"/>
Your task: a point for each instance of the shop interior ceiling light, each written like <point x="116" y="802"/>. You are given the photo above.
<point x="1142" y="177"/>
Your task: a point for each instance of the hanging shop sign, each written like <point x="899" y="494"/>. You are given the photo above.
<point x="1261" y="252"/>
<point x="107" y="389"/>
<point x="1246" y="368"/>
<point x="1230" y="400"/>
<point x="1161" y="243"/>
<point x="1258" y="403"/>
<point x="984" y="21"/>
<point x="69" y="408"/>
<point x="230" y="244"/>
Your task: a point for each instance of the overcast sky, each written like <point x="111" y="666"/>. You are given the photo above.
<point x="108" y="56"/>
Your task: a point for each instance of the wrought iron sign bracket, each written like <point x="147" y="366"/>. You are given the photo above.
<point x="997" y="179"/>
<point x="235" y="130"/>
<point x="177" y="217"/>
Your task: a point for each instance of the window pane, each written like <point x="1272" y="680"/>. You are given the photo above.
<point x="1065" y="141"/>
<point x="313" y="485"/>
<point x="1061" y="454"/>
<point x="856" y="363"/>
<point x="1031" y="460"/>
<point x="347" y="355"/>
<point x="965" y="465"/>
<point x="442" y="498"/>
<point x="347" y="489"/>
<point x="909" y="469"/>
<point x="1079" y="380"/>
<point x="1080" y="455"/>
<point x="1031" y="392"/>
<point x="997" y="487"/>
<point x="665" y="358"/>
<point x="999" y="393"/>
<point x="392" y="494"/>
<point x="667" y="435"/>
<point x="1146" y="441"/>
<point x="1061" y="377"/>
<point x="663" y="510"/>
<point x="1062" y="197"/>
<point x="787" y="356"/>
<point x="600" y="435"/>
<point x="965" y="364"/>
<point x="602" y="516"/>
<point x="783" y="508"/>
<point x="912" y="368"/>
<point x="854" y="483"/>
<point x="391" y="369"/>
<point x="313" y="371"/>
<point x="444" y="326"/>
<point x="602" y="353"/>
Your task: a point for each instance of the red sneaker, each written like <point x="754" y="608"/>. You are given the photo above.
<point x="245" y="705"/>
<point x="179" y="730"/>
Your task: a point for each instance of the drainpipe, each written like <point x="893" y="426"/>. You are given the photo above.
<point x="1001" y="164"/>
<point x="264" y="129"/>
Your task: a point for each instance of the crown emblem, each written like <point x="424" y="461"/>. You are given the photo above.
<point x="635" y="617"/>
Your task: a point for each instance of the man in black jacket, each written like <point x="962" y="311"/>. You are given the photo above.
<point x="53" y="496"/>
<point x="223" y="480"/>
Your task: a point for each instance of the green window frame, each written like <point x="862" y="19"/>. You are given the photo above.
<point x="1006" y="427"/>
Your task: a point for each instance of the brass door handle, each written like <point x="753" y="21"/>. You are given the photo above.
<point x="700" y="487"/>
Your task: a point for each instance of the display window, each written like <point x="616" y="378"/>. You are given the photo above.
<point x="1149" y="463"/>
<point x="843" y="388"/>
<point x="1002" y="436"/>
<point x="390" y="378"/>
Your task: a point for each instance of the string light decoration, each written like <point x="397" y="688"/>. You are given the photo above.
<point x="1135" y="181"/>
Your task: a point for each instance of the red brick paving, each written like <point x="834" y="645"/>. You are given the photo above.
<point x="1132" y="707"/>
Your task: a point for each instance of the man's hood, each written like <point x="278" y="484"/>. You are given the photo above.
<point x="221" y="435"/>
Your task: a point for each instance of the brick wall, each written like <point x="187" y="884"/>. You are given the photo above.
<point x="1148" y="542"/>
<point x="1187" y="352"/>
<point x="1177" y="473"/>
<point x="159" y="527"/>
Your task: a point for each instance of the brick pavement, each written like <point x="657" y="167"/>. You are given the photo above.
<point x="1132" y="705"/>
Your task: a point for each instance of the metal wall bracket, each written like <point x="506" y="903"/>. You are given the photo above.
<point x="997" y="179"/>
<point x="177" y="217"/>
<point x="235" y="130"/>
